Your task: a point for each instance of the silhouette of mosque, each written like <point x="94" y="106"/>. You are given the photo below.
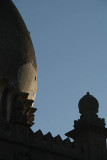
<point x="18" y="86"/>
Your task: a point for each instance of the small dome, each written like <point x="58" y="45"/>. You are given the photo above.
<point x="88" y="104"/>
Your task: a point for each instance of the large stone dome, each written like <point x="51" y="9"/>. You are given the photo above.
<point x="88" y="104"/>
<point x="17" y="56"/>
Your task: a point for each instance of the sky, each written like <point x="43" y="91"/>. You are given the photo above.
<point x="70" y="42"/>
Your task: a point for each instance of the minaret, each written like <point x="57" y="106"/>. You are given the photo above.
<point x="89" y="133"/>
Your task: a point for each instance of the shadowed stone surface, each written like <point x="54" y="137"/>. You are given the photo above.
<point x="17" y="56"/>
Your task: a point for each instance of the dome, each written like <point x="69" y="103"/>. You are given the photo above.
<point x="88" y="104"/>
<point x="17" y="56"/>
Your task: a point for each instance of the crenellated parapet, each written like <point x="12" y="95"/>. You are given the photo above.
<point x="56" y="144"/>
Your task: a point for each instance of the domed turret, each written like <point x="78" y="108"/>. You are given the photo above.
<point x="88" y="104"/>
<point x="17" y="56"/>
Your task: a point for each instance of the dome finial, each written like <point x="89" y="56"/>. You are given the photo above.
<point x="88" y="93"/>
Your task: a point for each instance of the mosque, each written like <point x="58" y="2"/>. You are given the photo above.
<point x="18" y="87"/>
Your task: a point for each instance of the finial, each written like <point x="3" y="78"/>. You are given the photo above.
<point x="87" y="93"/>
